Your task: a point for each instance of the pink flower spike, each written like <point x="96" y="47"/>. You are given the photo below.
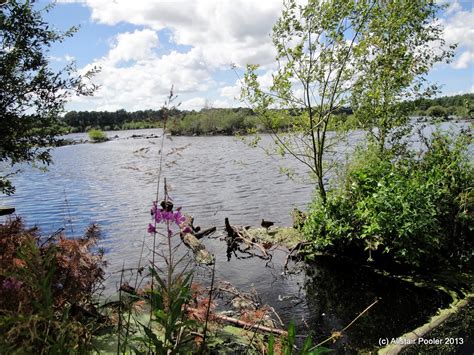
<point x="167" y="216"/>
<point x="179" y="218"/>
<point x="151" y="228"/>
<point x="158" y="216"/>
<point x="153" y="208"/>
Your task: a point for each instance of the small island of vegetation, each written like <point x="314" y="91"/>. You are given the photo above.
<point x="96" y="135"/>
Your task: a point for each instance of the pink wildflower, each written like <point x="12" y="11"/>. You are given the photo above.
<point x="151" y="228"/>
<point x="178" y="217"/>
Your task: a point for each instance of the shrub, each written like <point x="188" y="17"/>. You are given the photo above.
<point x="437" y="112"/>
<point x="414" y="210"/>
<point x="213" y="121"/>
<point x="45" y="289"/>
<point x="96" y="135"/>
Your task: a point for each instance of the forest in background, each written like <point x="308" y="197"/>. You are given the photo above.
<point x="230" y="121"/>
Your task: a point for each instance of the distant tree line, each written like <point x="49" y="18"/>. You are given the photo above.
<point x="81" y="121"/>
<point x="459" y="106"/>
<point x="239" y="120"/>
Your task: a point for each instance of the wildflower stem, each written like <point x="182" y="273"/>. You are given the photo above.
<point x="201" y="350"/>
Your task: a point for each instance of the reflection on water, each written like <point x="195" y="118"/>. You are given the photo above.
<point x="114" y="183"/>
<point x="338" y="291"/>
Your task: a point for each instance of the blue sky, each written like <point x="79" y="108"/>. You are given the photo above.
<point x="145" y="46"/>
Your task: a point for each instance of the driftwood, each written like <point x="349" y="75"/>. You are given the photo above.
<point x="216" y="316"/>
<point x="202" y="233"/>
<point x="128" y="289"/>
<point x="201" y="254"/>
<point x="191" y="240"/>
<point x="6" y="210"/>
<point x="245" y="325"/>
<point x="236" y="235"/>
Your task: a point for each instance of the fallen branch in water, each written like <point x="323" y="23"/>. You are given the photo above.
<point x="190" y="239"/>
<point x="245" y="325"/>
<point x="236" y="235"/>
<point x="205" y="232"/>
<point x="201" y="254"/>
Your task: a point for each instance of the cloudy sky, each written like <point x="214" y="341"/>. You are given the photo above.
<point x="145" y="46"/>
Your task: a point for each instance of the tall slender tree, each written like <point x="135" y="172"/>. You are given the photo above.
<point x="325" y="53"/>
<point x="399" y="45"/>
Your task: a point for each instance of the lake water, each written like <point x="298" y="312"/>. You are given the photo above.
<point x="113" y="184"/>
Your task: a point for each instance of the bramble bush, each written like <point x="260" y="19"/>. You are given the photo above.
<point x="414" y="209"/>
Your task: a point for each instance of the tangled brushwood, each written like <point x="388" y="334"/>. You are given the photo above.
<point x="46" y="289"/>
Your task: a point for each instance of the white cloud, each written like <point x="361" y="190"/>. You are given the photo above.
<point x="458" y="29"/>
<point x="196" y="103"/>
<point x="218" y="32"/>
<point x="464" y="60"/>
<point x="231" y="92"/>
<point x="137" y="45"/>
<point x="468" y="90"/>
<point x="453" y="6"/>
<point x="226" y="31"/>
<point x="66" y="58"/>
<point x="145" y="82"/>
<point x="226" y="103"/>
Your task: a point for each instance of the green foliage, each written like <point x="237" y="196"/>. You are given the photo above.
<point x="417" y="211"/>
<point x="40" y="329"/>
<point x="461" y="106"/>
<point x="214" y="121"/>
<point x="288" y="345"/>
<point x="394" y="59"/>
<point x="437" y="112"/>
<point x="31" y="95"/>
<point x="169" y="303"/>
<point x="315" y="44"/>
<point x="138" y="125"/>
<point x="374" y="53"/>
<point x="120" y="119"/>
<point x="96" y="135"/>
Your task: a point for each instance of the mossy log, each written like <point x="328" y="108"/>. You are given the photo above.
<point x="287" y="237"/>
<point x="205" y="232"/>
<point x="201" y="254"/>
